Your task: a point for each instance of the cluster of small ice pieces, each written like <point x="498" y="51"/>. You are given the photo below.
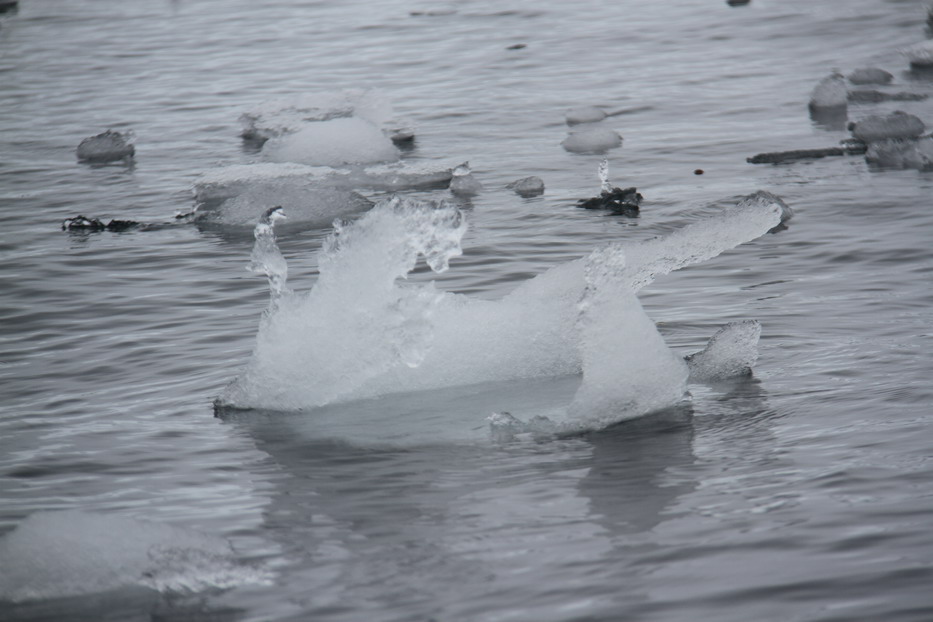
<point x="893" y="140"/>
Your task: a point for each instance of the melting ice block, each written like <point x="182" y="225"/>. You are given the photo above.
<point x="363" y="332"/>
<point x="57" y="554"/>
<point x="831" y="92"/>
<point x="730" y="353"/>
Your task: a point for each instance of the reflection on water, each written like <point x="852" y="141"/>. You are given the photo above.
<point x="440" y="529"/>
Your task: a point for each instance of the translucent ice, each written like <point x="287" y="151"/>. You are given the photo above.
<point x="266" y="257"/>
<point x="362" y="332"/>
<point x="731" y="352"/>
<point x="527" y="186"/>
<point x="57" y="554"/>
<point x="336" y="142"/>
<point x="463" y="182"/>
<point x="591" y="140"/>
<point x="306" y="203"/>
<point x="831" y="92"/>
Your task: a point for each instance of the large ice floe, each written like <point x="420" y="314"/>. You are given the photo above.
<point x="364" y="331"/>
<point x="73" y="553"/>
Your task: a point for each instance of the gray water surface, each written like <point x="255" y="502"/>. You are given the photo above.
<point x="802" y="493"/>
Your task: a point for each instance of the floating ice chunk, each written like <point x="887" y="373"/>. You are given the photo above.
<point x="591" y="140"/>
<point x="628" y="370"/>
<point x="306" y="203"/>
<point x="527" y="186"/>
<point x="898" y="124"/>
<point x="287" y="115"/>
<point x="902" y="153"/>
<point x="231" y="181"/>
<point x="920" y="54"/>
<point x="109" y="146"/>
<point x="357" y="322"/>
<point x="362" y="332"/>
<point x="870" y="75"/>
<point x="585" y="114"/>
<point x="730" y="353"/>
<point x="463" y="182"/>
<point x="57" y="554"/>
<point x="336" y="142"/>
<point x="831" y="92"/>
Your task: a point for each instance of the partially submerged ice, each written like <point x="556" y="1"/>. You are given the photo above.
<point x="336" y="142"/>
<point x="278" y="117"/>
<point x="920" y="54"/>
<point x="731" y="352"/>
<point x="831" y="92"/>
<point x="108" y="146"/>
<point x="72" y="553"/>
<point x="591" y="139"/>
<point x="902" y="153"/>
<point x="870" y="75"/>
<point x="230" y="181"/>
<point x="898" y="124"/>
<point x="364" y="331"/>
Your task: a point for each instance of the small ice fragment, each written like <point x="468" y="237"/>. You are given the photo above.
<point x="831" y="92"/>
<point x="603" y="172"/>
<point x="870" y="75"/>
<point x="591" y="140"/>
<point x="920" y="54"/>
<point x="107" y="147"/>
<point x="527" y="186"/>
<point x="730" y="353"/>
<point x="463" y="183"/>
<point x="585" y="114"/>
<point x="902" y="153"/>
<point x="898" y="124"/>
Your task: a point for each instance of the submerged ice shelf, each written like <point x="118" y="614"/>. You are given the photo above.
<point x="363" y="331"/>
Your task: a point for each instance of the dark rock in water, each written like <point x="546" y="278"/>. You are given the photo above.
<point x="517" y="46"/>
<point x="738" y="2"/>
<point x="780" y="157"/>
<point x="527" y="186"/>
<point x="898" y="124"/>
<point x="81" y="223"/>
<point x="107" y="147"/>
<point x="870" y="75"/>
<point x="8" y="6"/>
<point x="870" y="96"/>
<point x="620" y="201"/>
